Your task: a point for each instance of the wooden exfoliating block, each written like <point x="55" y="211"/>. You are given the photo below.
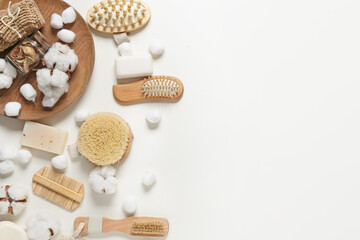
<point x="58" y="188"/>
<point x="43" y="137"/>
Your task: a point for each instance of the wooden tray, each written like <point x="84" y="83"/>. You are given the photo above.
<point x="84" y="48"/>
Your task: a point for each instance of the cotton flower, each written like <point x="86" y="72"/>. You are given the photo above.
<point x="102" y="180"/>
<point x="7" y="74"/>
<point x="13" y="199"/>
<point x="61" y="57"/>
<point x="43" y="226"/>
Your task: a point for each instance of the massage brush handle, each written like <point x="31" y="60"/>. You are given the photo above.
<point x="121" y="225"/>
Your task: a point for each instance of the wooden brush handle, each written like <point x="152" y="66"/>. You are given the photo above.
<point x="122" y="225"/>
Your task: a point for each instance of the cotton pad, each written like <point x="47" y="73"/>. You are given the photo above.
<point x="59" y="162"/>
<point x="12" y="109"/>
<point x="156" y="48"/>
<point x="6" y="167"/>
<point x="129" y="205"/>
<point x="125" y="49"/>
<point x="81" y="115"/>
<point x="56" y="21"/>
<point x="24" y="156"/>
<point x="133" y="66"/>
<point x="66" y="36"/>
<point x="28" y="92"/>
<point x="69" y="15"/>
<point x="149" y="178"/>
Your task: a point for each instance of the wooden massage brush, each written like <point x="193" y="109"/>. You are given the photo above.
<point x="150" y="89"/>
<point x="117" y="16"/>
<point x="58" y="188"/>
<point x="133" y="226"/>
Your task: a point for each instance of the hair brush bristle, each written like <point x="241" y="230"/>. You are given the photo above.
<point x="161" y="87"/>
<point x="148" y="228"/>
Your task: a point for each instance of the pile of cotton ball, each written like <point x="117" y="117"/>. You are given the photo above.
<point x="8" y="154"/>
<point x="53" y="80"/>
<point x="57" y="22"/>
<point x="43" y="226"/>
<point x="12" y="199"/>
<point x="102" y="180"/>
<point x="7" y="74"/>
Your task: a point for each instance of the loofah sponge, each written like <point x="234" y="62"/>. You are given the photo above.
<point x="104" y="139"/>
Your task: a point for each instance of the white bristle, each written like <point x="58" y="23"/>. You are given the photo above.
<point x="160" y="88"/>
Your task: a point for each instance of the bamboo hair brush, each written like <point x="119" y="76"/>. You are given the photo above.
<point x="150" y="89"/>
<point x="133" y="226"/>
<point x="117" y="16"/>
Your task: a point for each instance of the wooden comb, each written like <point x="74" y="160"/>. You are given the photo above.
<point x="117" y="16"/>
<point x="58" y="188"/>
<point x="134" y="226"/>
<point x="150" y="89"/>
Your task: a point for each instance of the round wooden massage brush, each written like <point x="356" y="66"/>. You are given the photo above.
<point x="117" y="16"/>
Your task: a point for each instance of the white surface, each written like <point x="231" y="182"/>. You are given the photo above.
<point x="264" y="143"/>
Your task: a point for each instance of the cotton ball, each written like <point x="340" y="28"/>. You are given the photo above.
<point x="125" y="49"/>
<point x="66" y="36"/>
<point x="59" y="162"/>
<point x="24" y="156"/>
<point x="154" y="117"/>
<point x="2" y="64"/>
<point x="10" y="70"/>
<point x="129" y="205"/>
<point x="56" y="21"/>
<point x="149" y="178"/>
<point x="69" y="15"/>
<point x="156" y="47"/>
<point x="5" y="81"/>
<point x="102" y="180"/>
<point x="7" y="152"/>
<point x="28" y="92"/>
<point x="12" y="109"/>
<point x="81" y="115"/>
<point x="6" y="167"/>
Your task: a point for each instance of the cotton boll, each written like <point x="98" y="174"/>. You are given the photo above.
<point x="18" y="192"/>
<point x="42" y="226"/>
<point x="43" y="77"/>
<point x="24" y="156"/>
<point x="156" y="48"/>
<point x="130" y="205"/>
<point x="81" y="115"/>
<point x="2" y="64"/>
<point x="12" y="109"/>
<point x="10" y="70"/>
<point x="69" y="15"/>
<point x="49" y="102"/>
<point x="66" y="36"/>
<point x="58" y="78"/>
<point x="125" y="49"/>
<point x="154" y="117"/>
<point x="102" y="180"/>
<point x="149" y="178"/>
<point x="6" y="167"/>
<point x="59" y="162"/>
<point x="7" y="152"/>
<point x="61" y="57"/>
<point x="28" y="92"/>
<point x="5" y="81"/>
<point x="56" y="21"/>
<point x="4" y="207"/>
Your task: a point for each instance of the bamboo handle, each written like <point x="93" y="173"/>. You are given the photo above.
<point x="57" y="188"/>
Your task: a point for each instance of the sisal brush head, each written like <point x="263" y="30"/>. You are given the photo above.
<point x="104" y="139"/>
<point x="148" y="228"/>
<point x="160" y="87"/>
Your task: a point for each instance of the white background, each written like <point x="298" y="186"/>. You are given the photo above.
<point x="263" y="144"/>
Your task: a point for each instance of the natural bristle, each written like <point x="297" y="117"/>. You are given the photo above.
<point x="160" y="88"/>
<point x="148" y="228"/>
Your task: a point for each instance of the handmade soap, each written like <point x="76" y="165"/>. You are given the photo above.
<point x="43" y="137"/>
<point x="133" y="66"/>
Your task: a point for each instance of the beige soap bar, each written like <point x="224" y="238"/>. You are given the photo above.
<point x="43" y="137"/>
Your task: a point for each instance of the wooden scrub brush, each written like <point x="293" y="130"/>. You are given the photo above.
<point x="133" y="226"/>
<point x="117" y="16"/>
<point x="150" y="89"/>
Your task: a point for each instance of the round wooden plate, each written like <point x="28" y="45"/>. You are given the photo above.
<point x="83" y="47"/>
